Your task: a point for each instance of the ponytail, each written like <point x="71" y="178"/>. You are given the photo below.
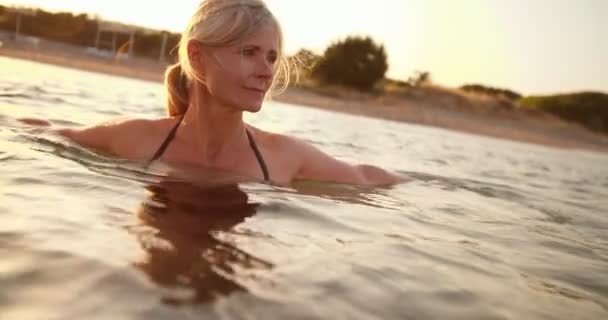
<point x="177" y="90"/>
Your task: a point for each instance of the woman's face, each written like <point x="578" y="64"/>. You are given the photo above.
<point x="240" y="75"/>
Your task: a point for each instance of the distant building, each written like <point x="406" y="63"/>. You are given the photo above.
<point x="105" y="28"/>
<point x="20" y="11"/>
<point x="105" y="47"/>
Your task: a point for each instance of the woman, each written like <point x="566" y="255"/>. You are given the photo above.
<point x="230" y="56"/>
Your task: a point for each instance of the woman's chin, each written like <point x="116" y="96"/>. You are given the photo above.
<point x="253" y="108"/>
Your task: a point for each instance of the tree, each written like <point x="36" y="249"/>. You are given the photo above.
<point x="355" y="62"/>
<point x="81" y="30"/>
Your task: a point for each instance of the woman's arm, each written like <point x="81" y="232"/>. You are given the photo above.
<point x="100" y="137"/>
<point x="109" y="137"/>
<point x="317" y="165"/>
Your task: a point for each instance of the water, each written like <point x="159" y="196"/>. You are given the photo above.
<point x="489" y="229"/>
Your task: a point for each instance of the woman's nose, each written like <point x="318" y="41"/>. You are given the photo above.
<point x="265" y="69"/>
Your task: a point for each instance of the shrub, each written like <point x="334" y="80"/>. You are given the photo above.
<point x="587" y="108"/>
<point x="355" y="62"/>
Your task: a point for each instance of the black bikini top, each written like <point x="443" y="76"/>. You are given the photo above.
<point x="254" y="147"/>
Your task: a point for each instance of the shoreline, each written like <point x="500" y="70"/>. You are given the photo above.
<point x="429" y="107"/>
<point x="534" y="131"/>
<point x="142" y="69"/>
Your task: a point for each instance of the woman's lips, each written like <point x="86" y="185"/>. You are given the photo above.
<point x="257" y="90"/>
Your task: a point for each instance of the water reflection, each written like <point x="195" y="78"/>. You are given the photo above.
<point x="180" y="225"/>
<point x="373" y="196"/>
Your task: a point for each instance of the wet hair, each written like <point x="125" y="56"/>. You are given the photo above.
<point x="219" y="23"/>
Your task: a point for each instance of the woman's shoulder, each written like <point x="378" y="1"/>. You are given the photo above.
<point x="285" y="148"/>
<point x="274" y="141"/>
<point x="124" y="137"/>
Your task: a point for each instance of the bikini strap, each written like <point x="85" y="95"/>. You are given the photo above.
<point x="252" y="143"/>
<point x="168" y="140"/>
<point x="258" y="155"/>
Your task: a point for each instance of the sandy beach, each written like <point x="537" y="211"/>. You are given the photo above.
<point x="432" y="106"/>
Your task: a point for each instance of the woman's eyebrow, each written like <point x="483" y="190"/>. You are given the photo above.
<point x="256" y="47"/>
<point x="251" y="46"/>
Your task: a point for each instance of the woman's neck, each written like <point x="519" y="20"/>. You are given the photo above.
<point x="214" y="131"/>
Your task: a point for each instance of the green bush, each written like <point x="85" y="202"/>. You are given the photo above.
<point x="587" y="108"/>
<point x="355" y="62"/>
<point x="491" y="91"/>
<point x="420" y="79"/>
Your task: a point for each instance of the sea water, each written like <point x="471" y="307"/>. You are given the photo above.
<point x="487" y="228"/>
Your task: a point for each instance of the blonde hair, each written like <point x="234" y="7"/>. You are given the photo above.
<point x="218" y="23"/>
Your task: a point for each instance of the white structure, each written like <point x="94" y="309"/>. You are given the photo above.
<point x="114" y="28"/>
<point x="20" y="12"/>
<point x="163" y="47"/>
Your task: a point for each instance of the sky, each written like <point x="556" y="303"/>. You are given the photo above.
<point x="529" y="46"/>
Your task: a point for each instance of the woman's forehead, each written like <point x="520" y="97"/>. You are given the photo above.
<point x="267" y="38"/>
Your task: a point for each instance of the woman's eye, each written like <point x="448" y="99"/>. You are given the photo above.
<point x="272" y="59"/>
<point x="248" y="52"/>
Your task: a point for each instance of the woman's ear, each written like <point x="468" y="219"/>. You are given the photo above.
<point x="195" y="53"/>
